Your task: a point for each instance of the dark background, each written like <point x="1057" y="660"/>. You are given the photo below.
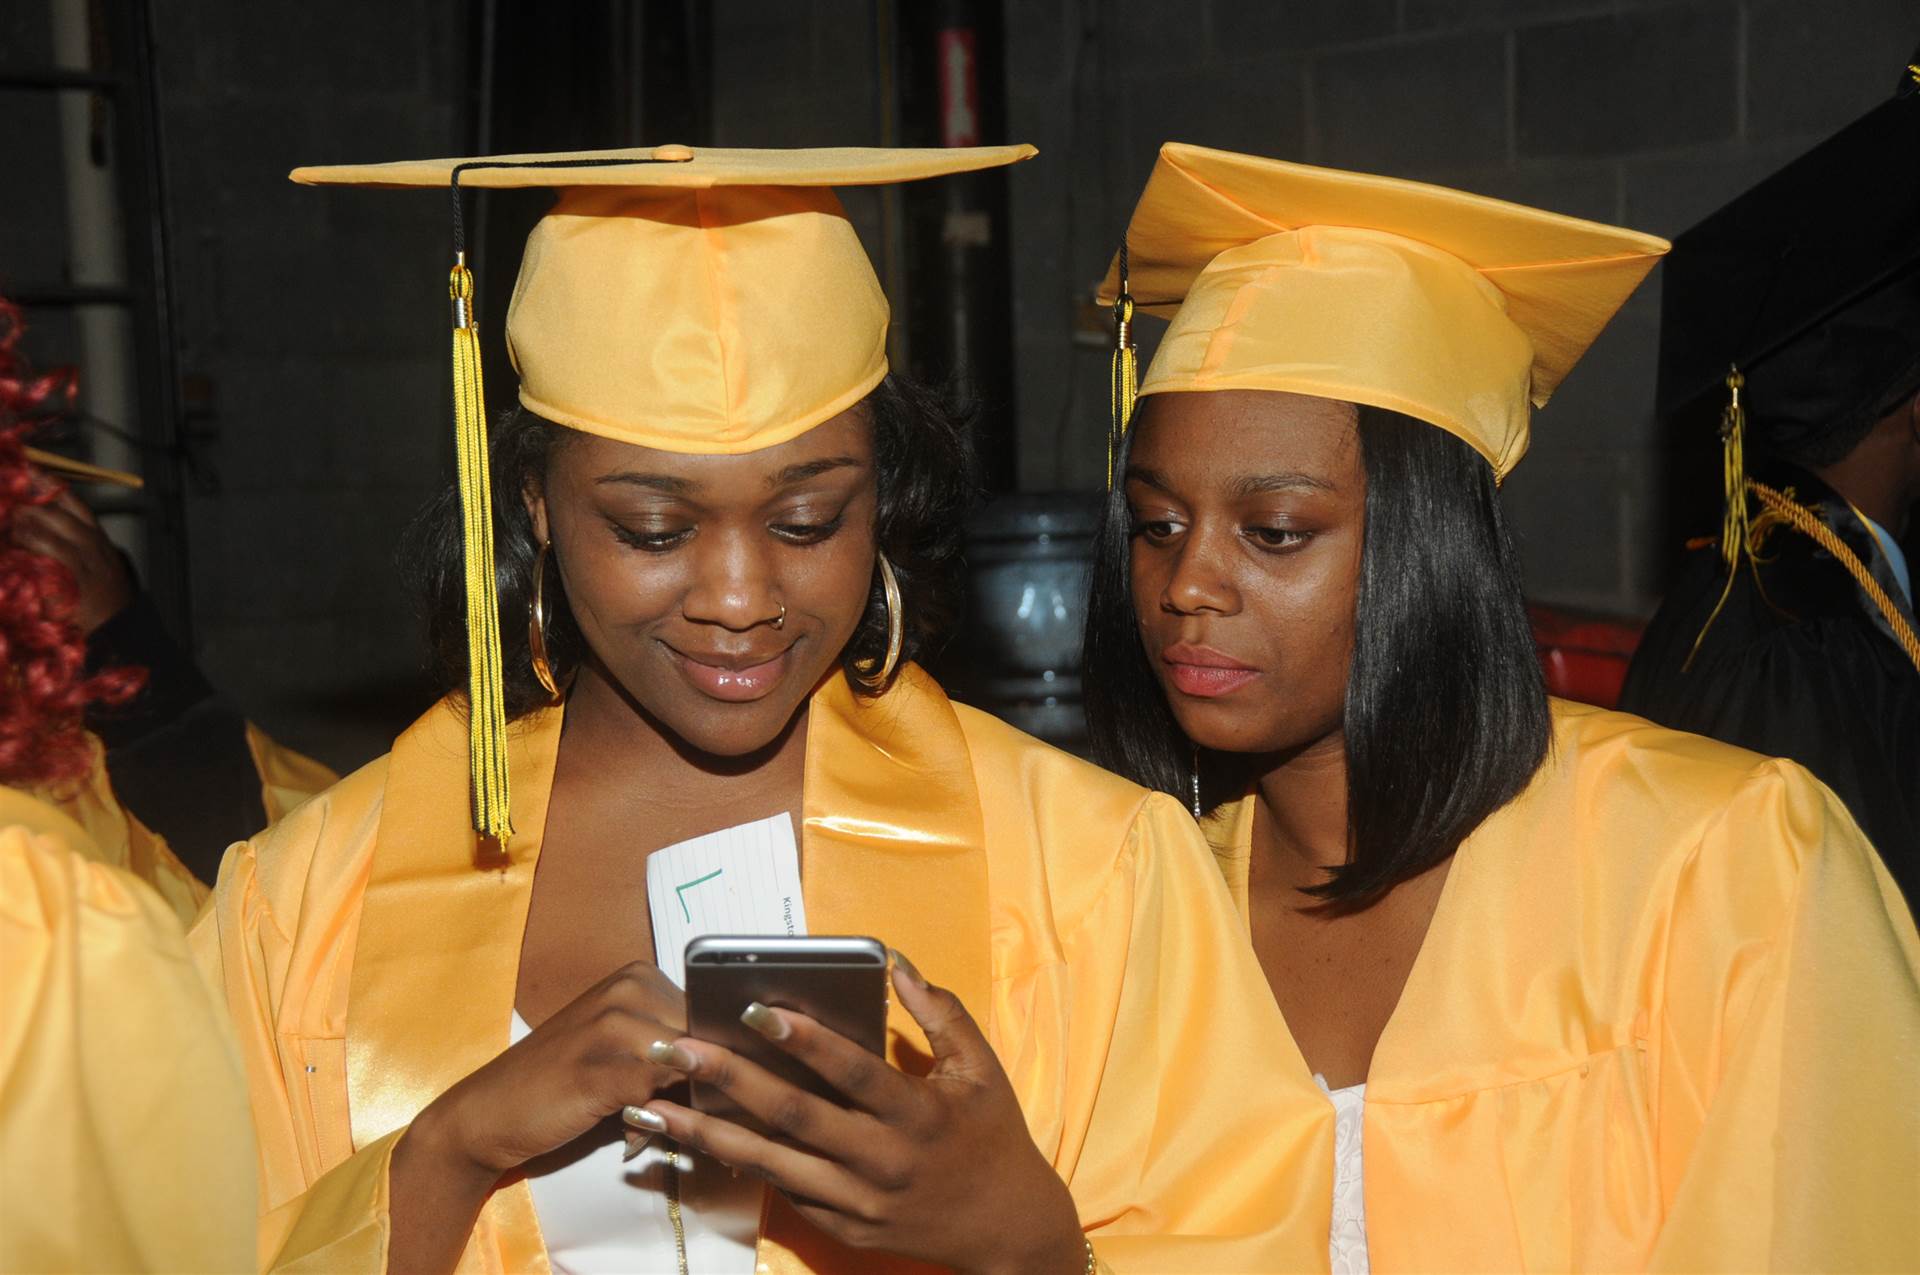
<point x="278" y="354"/>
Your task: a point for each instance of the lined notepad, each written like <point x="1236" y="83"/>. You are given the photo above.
<point x="741" y="880"/>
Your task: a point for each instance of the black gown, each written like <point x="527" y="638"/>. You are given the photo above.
<point x="1811" y="671"/>
<point x="177" y="754"/>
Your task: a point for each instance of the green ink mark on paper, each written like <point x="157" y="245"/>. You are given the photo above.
<point x="680" y="891"/>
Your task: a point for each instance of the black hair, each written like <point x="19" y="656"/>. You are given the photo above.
<point x="923" y="465"/>
<point x="1446" y="716"/>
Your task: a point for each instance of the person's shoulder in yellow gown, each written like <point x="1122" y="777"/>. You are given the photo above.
<point x="124" y="1139"/>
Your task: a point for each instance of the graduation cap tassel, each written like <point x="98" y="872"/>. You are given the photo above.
<point x="1735" y="526"/>
<point x="486" y="683"/>
<point x="1125" y="373"/>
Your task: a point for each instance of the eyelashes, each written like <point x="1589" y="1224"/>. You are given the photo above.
<point x="651" y="541"/>
<point x="793" y="533"/>
<point x="1159" y="531"/>
<point x="814" y="533"/>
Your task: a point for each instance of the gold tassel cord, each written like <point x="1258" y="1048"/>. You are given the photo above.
<point x="486" y="683"/>
<point x="1808" y="523"/>
<point x="1742" y="536"/>
<point x="1735" y="531"/>
<point x="1125" y="382"/>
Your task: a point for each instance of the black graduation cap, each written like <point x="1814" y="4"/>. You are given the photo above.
<point x="1809" y="283"/>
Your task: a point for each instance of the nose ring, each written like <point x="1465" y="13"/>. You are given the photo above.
<point x="780" y="621"/>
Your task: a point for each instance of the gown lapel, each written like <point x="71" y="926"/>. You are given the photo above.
<point x="438" y="953"/>
<point x="892" y="846"/>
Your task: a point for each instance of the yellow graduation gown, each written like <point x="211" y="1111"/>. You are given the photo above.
<point x="370" y="963"/>
<point x="115" y="838"/>
<point x="1667" y="1018"/>
<point x="287" y="778"/>
<point x="124" y="1143"/>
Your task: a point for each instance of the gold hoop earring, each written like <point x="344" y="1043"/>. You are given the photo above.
<point x="874" y="675"/>
<point x="537" y="627"/>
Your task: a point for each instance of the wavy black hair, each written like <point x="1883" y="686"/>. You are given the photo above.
<point x="1446" y="715"/>
<point x="923" y="463"/>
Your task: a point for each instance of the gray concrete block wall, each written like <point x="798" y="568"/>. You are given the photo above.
<point x="1649" y="113"/>
<point x="317" y="319"/>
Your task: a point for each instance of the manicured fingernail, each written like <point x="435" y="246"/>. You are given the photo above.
<point x="766" y="1022"/>
<point x="636" y="1143"/>
<point x="900" y="959"/>
<point x="671" y="1055"/>
<point x="641" y="1118"/>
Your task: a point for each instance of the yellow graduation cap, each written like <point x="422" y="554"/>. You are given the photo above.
<point x="1452" y="308"/>
<point x="688" y="299"/>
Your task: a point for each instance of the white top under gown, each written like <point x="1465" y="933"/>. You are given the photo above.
<point x="600" y="1215"/>
<point x="1347" y="1239"/>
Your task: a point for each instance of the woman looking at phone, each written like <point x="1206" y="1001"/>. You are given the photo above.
<point x="1591" y="994"/>
<point x="723" y="527"/>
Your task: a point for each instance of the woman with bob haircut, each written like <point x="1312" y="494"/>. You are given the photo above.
<point x="685" y="595"/>
<point x="1586" y="994"/>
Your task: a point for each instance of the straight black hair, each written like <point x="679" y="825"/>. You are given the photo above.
<point x="923" y="469"/>
<point x="1446" y="715"/>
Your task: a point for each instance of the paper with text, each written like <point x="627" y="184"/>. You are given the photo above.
<point x="741" y="880"/>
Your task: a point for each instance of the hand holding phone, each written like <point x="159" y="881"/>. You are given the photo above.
<point x="840" y="983"/>
<point x="939" y="1167"/>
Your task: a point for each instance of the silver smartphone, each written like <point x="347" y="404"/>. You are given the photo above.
<point x="839" y="982"/>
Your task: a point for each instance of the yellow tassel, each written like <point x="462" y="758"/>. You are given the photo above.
<point x="1735" y="528"/>
<point x="486" y="684"/>
<point x="1125" y="377"/>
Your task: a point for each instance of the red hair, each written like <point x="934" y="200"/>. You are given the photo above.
<point x="43" y="683"/>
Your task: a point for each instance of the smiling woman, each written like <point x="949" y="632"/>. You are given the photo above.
<point x="684" y="598"/>
<point x="899" y="483"/>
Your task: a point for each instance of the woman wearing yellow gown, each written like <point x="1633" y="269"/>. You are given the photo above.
<point x="722" y="525"/>
<point x="1588" y="994"/>
<point x="124" y="1143"/>
<point x="46" y="751"/>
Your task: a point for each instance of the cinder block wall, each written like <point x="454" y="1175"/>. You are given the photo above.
<point x="316" y="320"/>
<point x="1650" y="113"/>
<point x="313" y="316"/>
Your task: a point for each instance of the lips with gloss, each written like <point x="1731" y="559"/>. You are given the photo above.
<point x="1203" y="672"/>
<point x="725" y="678"/>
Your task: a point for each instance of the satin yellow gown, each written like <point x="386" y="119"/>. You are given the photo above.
<point x="115" y="838"/>
<point x="1667" y="1018"/>
<point x="369" y="962"/>
<point x="124" y="1139"/>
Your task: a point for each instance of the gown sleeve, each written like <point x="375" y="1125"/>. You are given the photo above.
<point x="1206" y="1147"/>
<point x="313" y="1218"/>
<point x="1785" y="1070"/>
<point x="123" y="1131"/>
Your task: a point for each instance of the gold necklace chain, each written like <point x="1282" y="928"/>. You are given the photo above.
<point x="673" y="1210"/>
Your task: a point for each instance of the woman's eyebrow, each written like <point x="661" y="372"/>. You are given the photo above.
<point x="812" y="469"/>
<point x="1263" y="484"/>
<point x="653" y="482"/>
<point x="1151" y="477"/>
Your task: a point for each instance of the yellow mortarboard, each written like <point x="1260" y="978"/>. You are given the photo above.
<point x="687" y="299"/>
<point x="1453" y="308"/>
